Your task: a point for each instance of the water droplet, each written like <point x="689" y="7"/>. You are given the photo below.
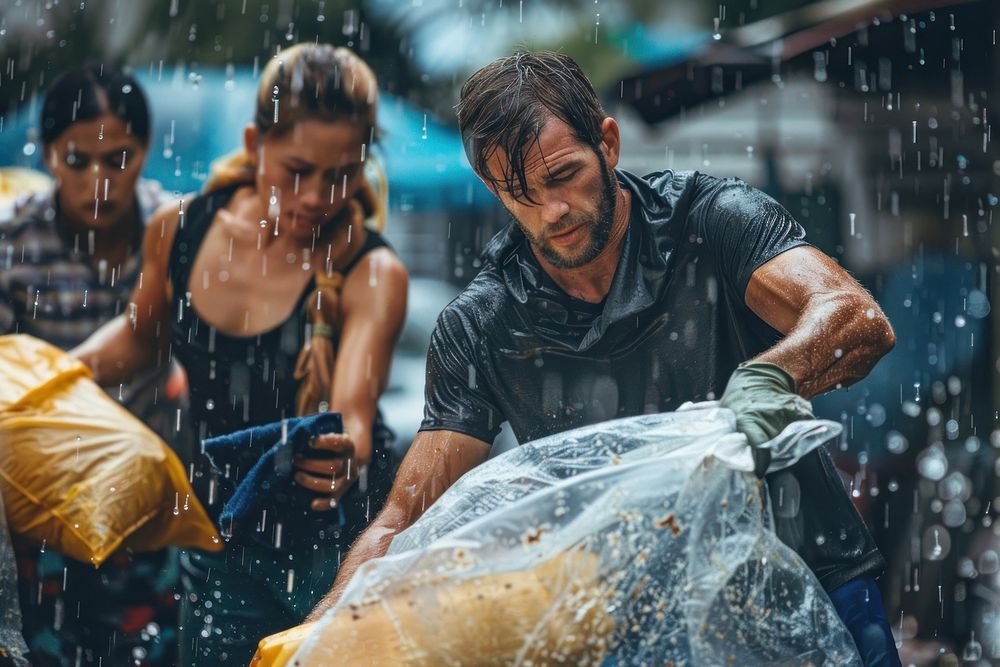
<point x="896" y="442"/>
<point x="976" y="306"/>
<point x="936" y="543"/>
<point x="932" y="464"/>
<point x="973" y="651"/>
<point x="953" y="515"/>
<point x="876" y="415"/>
<point x="274" y="204"/>
<point x="989" y="562"/>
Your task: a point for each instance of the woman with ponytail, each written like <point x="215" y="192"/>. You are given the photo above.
<point x="277" y="294"/>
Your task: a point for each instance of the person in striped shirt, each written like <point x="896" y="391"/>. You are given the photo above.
<point x="69" y="258"/>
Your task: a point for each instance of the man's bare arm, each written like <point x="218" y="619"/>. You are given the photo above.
<point x="834" y="330"/>
<point x="435" y="461"/>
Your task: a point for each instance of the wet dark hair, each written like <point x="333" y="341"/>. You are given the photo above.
<point x="91" y="91"/>
<point x="505" y="105"/>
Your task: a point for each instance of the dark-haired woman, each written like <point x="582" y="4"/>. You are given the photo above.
<point x="69" y="258"/>
<point x="280" y="301"/>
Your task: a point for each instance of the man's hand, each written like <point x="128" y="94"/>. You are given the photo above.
<point x="434" y="462"/>
<point x="331" y="477"/>
<point x="763" y="397"/>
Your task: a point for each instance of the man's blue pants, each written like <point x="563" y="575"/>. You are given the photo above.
<point x="859" y="605"/>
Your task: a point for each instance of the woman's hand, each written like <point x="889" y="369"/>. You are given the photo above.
<point x="331" y="477"/>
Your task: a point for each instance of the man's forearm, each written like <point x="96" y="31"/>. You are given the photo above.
<point x="435" y="460"/>
<point x="372" y="543"/>
<point x="836" y="341"/>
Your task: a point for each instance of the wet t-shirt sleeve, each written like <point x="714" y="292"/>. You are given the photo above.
<point x="743" y="227"/>
<point x="455" y="395"/>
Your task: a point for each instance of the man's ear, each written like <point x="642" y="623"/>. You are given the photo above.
<point x="610" y="141"/>
<point x="250" y="136"/>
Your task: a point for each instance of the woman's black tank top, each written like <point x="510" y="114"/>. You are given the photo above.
<point x="235" y="381"/>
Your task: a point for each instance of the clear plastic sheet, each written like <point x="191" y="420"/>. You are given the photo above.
<point x="638" y="541"/>
<point x="12" y="647"/>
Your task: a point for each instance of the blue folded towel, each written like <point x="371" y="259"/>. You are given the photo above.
<point x="266" y="453"/>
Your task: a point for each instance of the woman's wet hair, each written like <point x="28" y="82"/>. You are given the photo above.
<point x="315" y="81"/>
<point x="504" y="106"/>
<point x="91" y="91"/>
<point x="308" y="82"/>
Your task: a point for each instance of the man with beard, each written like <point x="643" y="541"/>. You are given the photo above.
<point x="614" y="295"/>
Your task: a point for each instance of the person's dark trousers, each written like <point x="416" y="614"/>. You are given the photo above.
<point x="859" y="605"/>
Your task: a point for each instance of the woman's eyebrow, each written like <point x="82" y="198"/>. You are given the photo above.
<point x="345" y="165"/>
<point x="116" y="151"/>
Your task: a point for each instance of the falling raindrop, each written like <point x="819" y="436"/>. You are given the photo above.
<point x="936" y="543"/>
<point x="273" y="204"/>
<point x="973" y="651"/>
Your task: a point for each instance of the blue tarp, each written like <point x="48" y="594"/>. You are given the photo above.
<point x="199" y="116"/>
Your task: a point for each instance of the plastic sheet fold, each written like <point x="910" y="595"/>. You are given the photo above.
<point x="644" y="540"/>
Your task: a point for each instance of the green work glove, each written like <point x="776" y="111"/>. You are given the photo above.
<point x="763" y="397"/>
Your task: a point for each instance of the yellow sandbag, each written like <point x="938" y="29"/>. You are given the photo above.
<point x="78" y="471"/>
<point x="278" y="649"/>
<point x="552" y="614"/>
<point x="16" y="182"/>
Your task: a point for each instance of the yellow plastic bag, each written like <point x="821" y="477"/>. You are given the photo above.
<point x="78" y="471"/>
<point x="277" y="650"/>
<point x="552" y="614"/>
